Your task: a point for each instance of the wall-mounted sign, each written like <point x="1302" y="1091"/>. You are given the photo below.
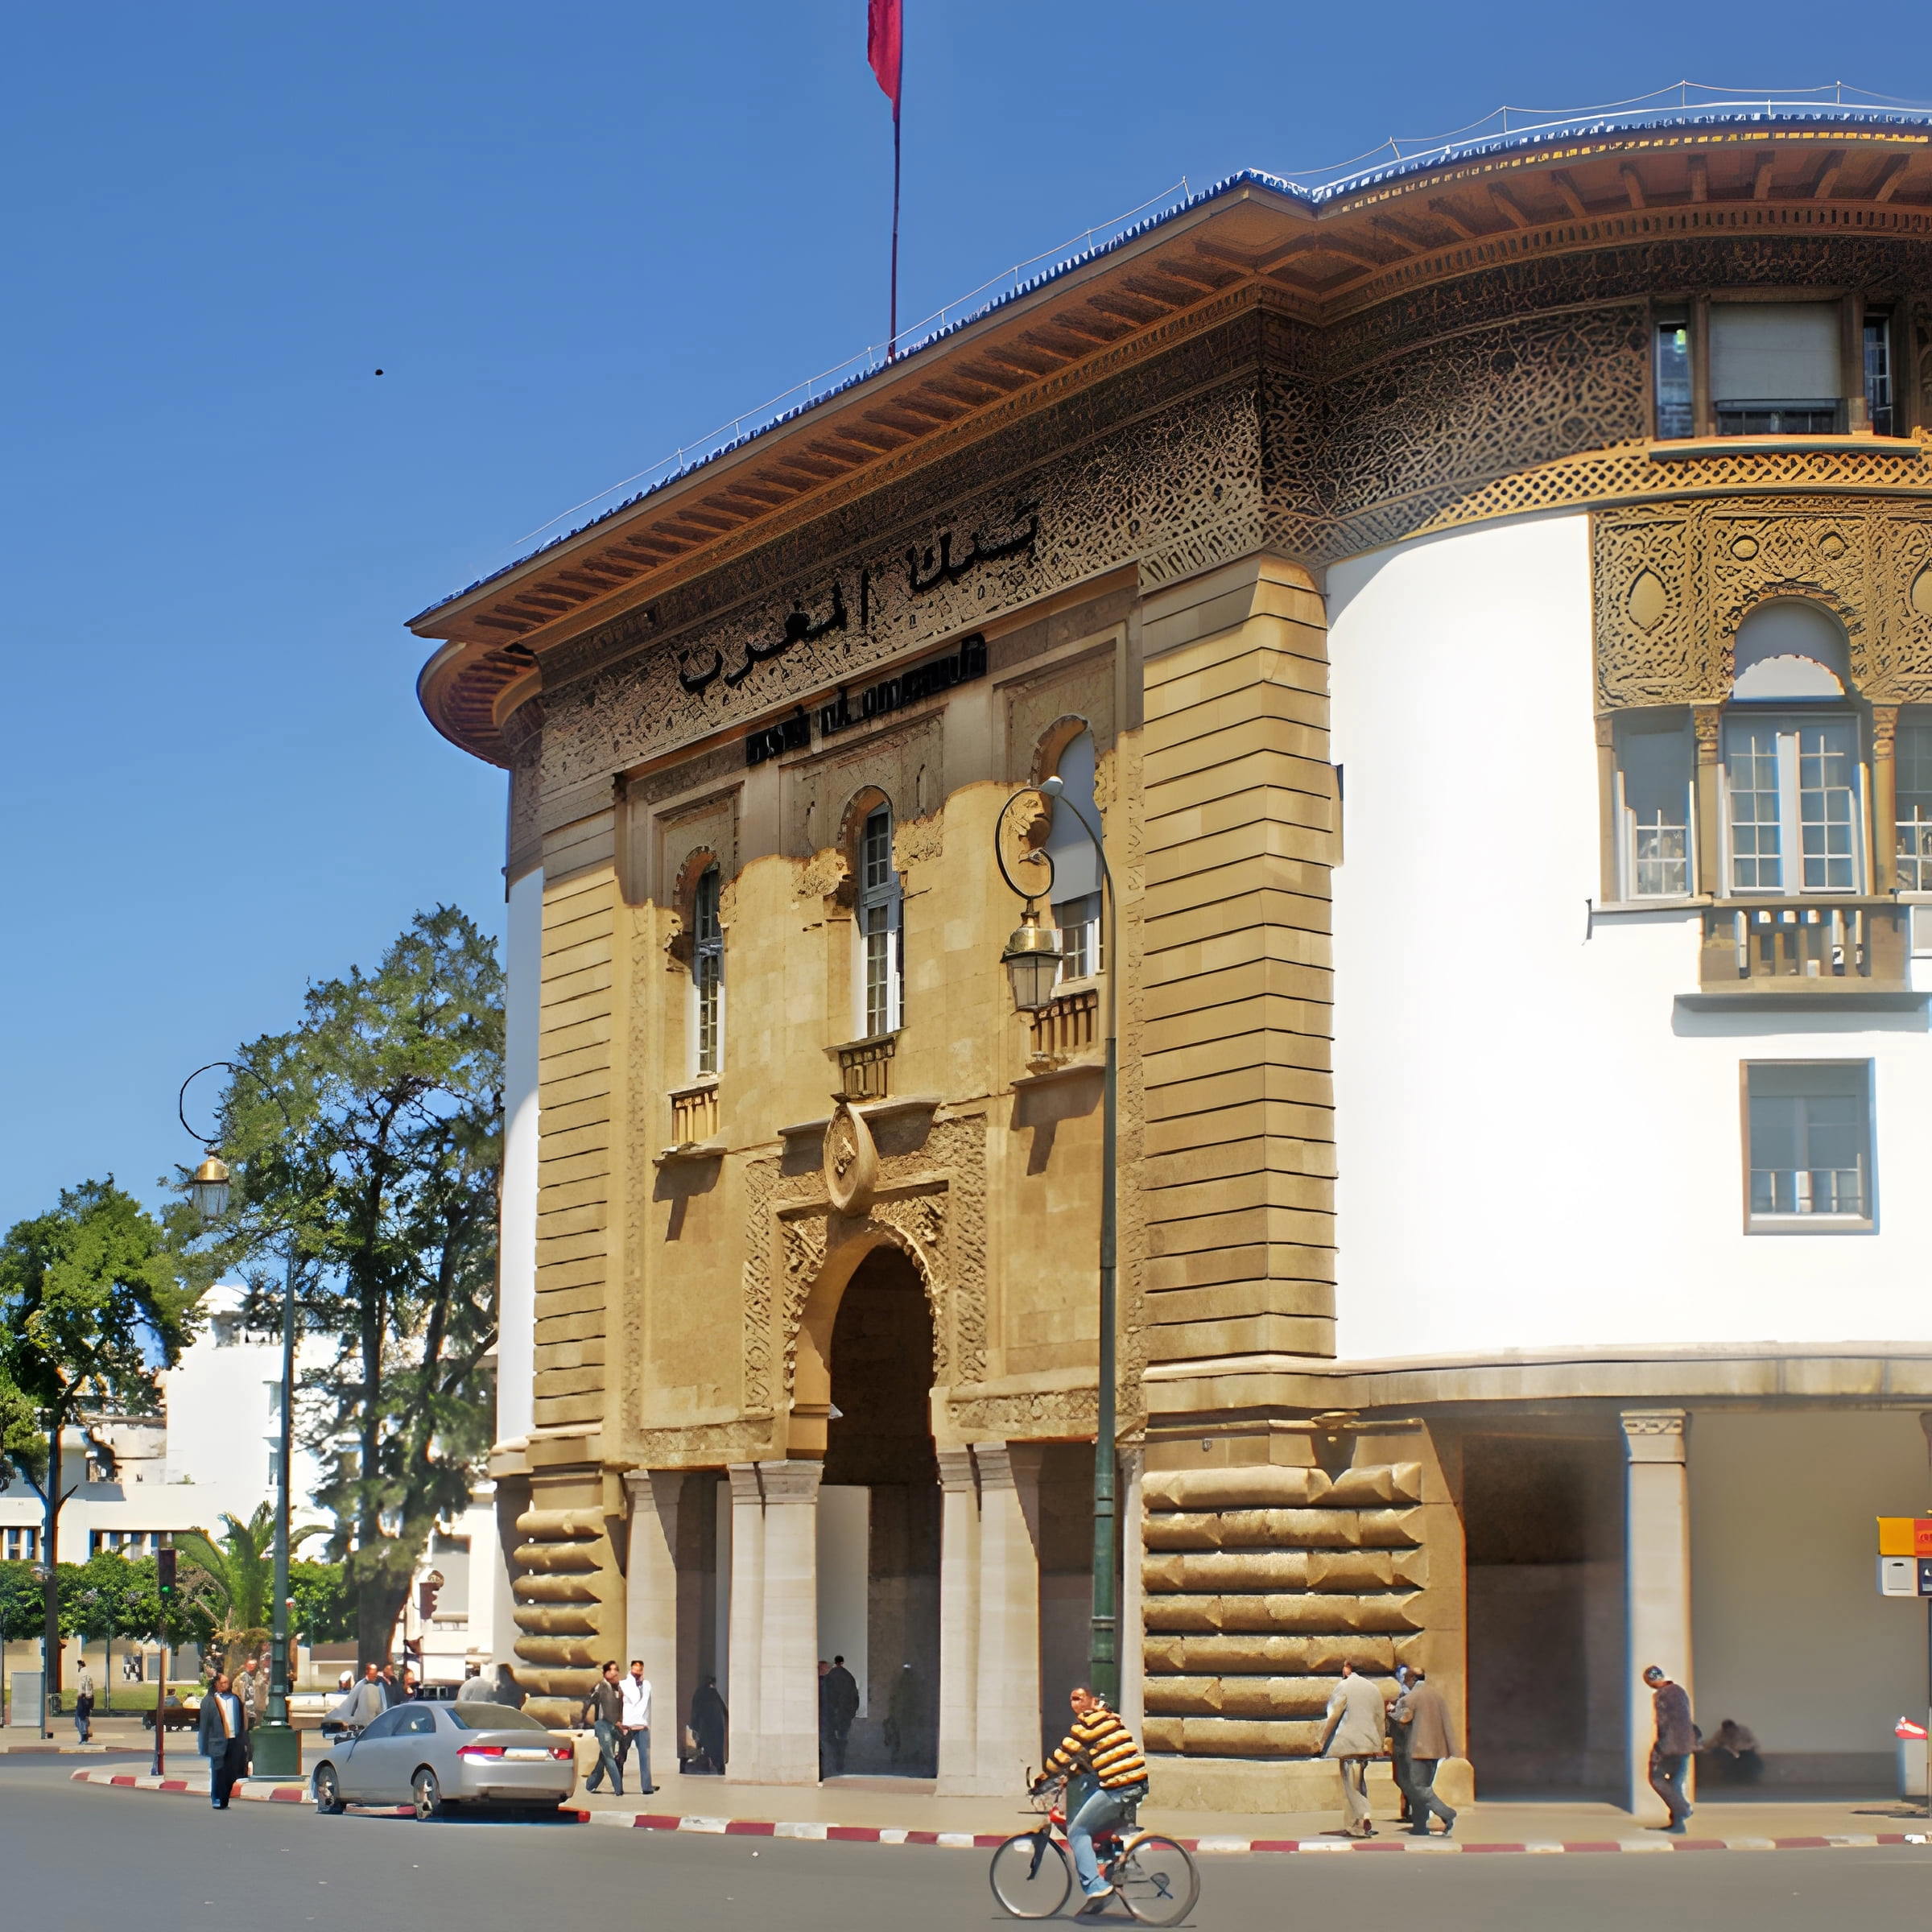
<point x="960" y="665"/>
<point x="1905" y="1536"/>
<point x="1905" y="1576"/>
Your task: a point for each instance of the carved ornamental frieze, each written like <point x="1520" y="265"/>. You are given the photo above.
<point x="1672" y="582"/>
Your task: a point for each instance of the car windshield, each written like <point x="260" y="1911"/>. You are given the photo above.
<point x="492" y="1717"/>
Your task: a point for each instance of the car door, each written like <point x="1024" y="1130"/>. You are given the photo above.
<point x="414" y="1745"/>
<point x="370" y="1772"/>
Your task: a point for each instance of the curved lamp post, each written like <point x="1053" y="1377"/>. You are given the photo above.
<point x="1032" y="960"/>
<point x="277" y="1749"/>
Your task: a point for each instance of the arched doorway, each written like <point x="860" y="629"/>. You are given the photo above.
<point x="880" y="1516"/>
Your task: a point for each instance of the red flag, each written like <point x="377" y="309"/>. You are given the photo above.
<point x="882" y="39"/>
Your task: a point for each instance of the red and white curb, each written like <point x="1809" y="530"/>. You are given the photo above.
<point x="984" y="1841"/>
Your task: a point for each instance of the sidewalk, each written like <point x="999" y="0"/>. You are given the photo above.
<point x="859" y="1810"/>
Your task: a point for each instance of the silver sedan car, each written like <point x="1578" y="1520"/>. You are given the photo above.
<point x="434" y="1755"/>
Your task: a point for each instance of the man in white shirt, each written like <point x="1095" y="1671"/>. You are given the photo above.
<point x="634" y="1727"/>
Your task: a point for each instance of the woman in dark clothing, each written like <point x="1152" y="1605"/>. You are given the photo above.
<point x="707" y="1721"/>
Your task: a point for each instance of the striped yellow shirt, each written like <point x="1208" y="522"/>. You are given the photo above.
<point x="1100" y="1743"/>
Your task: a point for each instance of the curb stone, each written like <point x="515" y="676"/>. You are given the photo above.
<point x="1216" y="1847"/>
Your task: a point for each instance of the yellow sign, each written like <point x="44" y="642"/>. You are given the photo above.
<point x="1905" y="1536"/>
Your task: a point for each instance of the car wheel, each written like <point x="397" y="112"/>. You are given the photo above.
<point x="428" y="1793"/>
<point x="328" y="1791"/>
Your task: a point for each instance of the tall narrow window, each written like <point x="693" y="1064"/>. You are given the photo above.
<point x="1809" y="1130"/>
<point x="1076" y="868"/>
<point x="1674" y="417"/>
<point x="707" y="975"/>
<point x="1878" y="372"/>
<point x="1654" y="759"/>
<point x="1914" y="812"/>
<point x="881" y="929"/>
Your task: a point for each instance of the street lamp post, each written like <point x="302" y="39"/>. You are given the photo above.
<point x="1032" y="960"/>
<point x="276" y="1748"/>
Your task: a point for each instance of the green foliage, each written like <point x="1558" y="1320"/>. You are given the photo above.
<point x="22" y="1613"/>
<point x="110" y="1596"/>
<point x="370" y="1135"/>
<point x="92" y="1308"/>
<point x="236" y="1578"/>
<point x="323" y="1613"/>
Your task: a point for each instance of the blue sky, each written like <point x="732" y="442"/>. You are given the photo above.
<point x="571" y="241"/>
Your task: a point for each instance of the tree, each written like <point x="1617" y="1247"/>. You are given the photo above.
<point x="110" y="1595"/>
<point x="371" y="1136"/>
<point x="323" y="1613"/>
<point x="92" y="1309"/>
<point x="236" y="1576"/>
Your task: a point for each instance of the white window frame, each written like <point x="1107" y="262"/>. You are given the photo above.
<point x="1807" y="1220"/>
<point x="1912" y="824"/>
<point x="1787" y="726"/>
<point x="878" y="928"/>
<point x="1083" y="944"/>
<point x="707" y="976"/>
<point x="1629" y="832"/>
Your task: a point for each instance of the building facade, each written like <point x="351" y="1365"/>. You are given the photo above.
<point x="1517" y="1259"/>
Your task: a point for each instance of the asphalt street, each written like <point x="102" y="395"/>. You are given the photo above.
<point x="79" y="1859"/>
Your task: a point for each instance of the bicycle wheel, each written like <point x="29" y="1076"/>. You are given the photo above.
<point x="1155" y="1880"/>
<point x="1030" y="1876"/>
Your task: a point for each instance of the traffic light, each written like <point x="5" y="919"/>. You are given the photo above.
<point x="164" y="1571"/>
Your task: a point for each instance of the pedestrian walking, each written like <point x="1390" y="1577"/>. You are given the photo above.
<point x="1353" y="1734"/>
<point x="84" y="1701"/>
<point x="222" y="1733"/>
<point x="262" y="1677"/>
<point x="1106" y="1778"/>
<point x="838" y="1705"/>
<point x="506" y="1690"/>
<point x="366" y="1702"/>
<point x="709" y="1721"/>
<point x="475" y="1689"/>
<point x="1671" y="1753"/>
<point x="633" y="1724"/>
<point x="603" y="1711"/>
<point x="1427" y="1739"/>
<point x="1397" y="1728"/>
<point x="410" y="1689"/>
<point x="392" y="1691"/>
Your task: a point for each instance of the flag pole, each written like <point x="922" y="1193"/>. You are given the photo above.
<point x="892" y="343"/>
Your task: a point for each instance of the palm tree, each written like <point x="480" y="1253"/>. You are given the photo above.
<point x="239" y="1572"/>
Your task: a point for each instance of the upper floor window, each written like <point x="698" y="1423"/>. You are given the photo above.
<point x="1076" y="868"/>
<point x="1674" y="413"/>
<point x="1914" y="815"/>
<point x="1655" y="762"/>
<point x="1793" y="790"/>
<point x="707" y="976"/>
<point x="1878" y="372"/>
<point x="1808" y="1135"/>
<point x="1775" y="368"/>
<point x="880" y="929"/>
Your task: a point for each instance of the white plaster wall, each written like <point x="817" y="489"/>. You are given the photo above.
<point x="1538" y="1149"/>
<point x="1790" y="1635"/>
<point x="517" y="1251"/>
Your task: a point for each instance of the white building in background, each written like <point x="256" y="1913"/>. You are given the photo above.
<point x="215" y="1451"/>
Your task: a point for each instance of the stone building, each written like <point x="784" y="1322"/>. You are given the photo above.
<point x="1487" y="604"/>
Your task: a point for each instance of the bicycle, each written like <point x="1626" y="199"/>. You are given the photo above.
<point x="1153" y="1877"/>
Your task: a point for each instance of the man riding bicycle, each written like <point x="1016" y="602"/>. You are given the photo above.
<point x="1106" y="1778"/>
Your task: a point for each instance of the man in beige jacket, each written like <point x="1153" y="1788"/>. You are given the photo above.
<point x="1424" y="1718"/>
<point x="1355" y="1733"/>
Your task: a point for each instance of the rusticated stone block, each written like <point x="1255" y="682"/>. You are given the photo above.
<point x="1393" y="1613"/>
<point x="1314" y="1655"/>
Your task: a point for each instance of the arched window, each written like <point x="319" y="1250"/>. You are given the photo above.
<point x="707" y="975"/>
<point x="1076" y="867"/>
<point x="878" y="928"/>
<point x="1793" y="791"/>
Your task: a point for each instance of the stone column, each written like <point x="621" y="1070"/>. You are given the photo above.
<point x="1657" y="1571"/>
<point x="788" y="1689"/>
<point x="743" y="1746"/>
<point x="958" y="1623"/>
<point x="650" y="1596"/>
<point x="1009" y="1613"/>
<point x="1133" y="1685"/>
